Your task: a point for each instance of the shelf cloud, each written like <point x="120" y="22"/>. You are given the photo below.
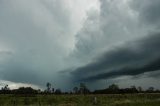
<point x="132" y="58"/>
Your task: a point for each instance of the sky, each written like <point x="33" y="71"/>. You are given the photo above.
<point x="65" y="42"/>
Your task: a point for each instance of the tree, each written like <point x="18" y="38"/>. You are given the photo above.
<point x="25" y="90"/>
<point x="134" y="89"/>
<point x="6" y="87"/>
<point x="48" y="85"/>
<point x="75" y="90"/>
<point x="150" y="89"/>
<point x="113" y="87"/>
<point x="58" y="91"/>
<point x="139" y="89"/>
<point x="52" y="90"/>
<point x="83" y="89"/>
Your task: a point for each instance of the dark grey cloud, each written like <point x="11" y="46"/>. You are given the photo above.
<point x="124" y="36"/>
<point x="148" y="10"/>
<point x="115" y="23"/>
<point x="134" y="58"/>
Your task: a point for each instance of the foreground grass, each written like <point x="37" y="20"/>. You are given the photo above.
<point x="81" y="100"/>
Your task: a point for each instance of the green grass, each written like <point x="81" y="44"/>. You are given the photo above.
<point x="81" y="100"/>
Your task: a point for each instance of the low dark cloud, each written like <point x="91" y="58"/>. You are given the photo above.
<point x="125" y="38"/>
<point x="133" y="58"/>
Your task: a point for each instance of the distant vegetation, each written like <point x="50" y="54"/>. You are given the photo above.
<point x="82" y="89"/>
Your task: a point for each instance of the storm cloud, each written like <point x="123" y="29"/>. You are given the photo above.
<point x="91" y="39"/>
<point x="136" y="58"/>
<point x="126" y="41"/>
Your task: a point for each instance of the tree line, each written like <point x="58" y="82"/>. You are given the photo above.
<point x="82" y="89"/>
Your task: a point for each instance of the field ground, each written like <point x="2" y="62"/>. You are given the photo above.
<point x="81" y="100"/>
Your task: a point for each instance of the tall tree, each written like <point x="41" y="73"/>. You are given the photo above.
<point x="75" y="90"/>
<point x="48" y="85"/>
<point x="113" y="87"/>
<point x="52" y="90"/>
<point x="140" y="89"/>
<point x="83" y="89"/>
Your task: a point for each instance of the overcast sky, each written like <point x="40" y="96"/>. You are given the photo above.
<point x="66" y="42"/>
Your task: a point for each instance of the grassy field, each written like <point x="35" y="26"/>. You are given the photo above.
<point x="81" y="100"/>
